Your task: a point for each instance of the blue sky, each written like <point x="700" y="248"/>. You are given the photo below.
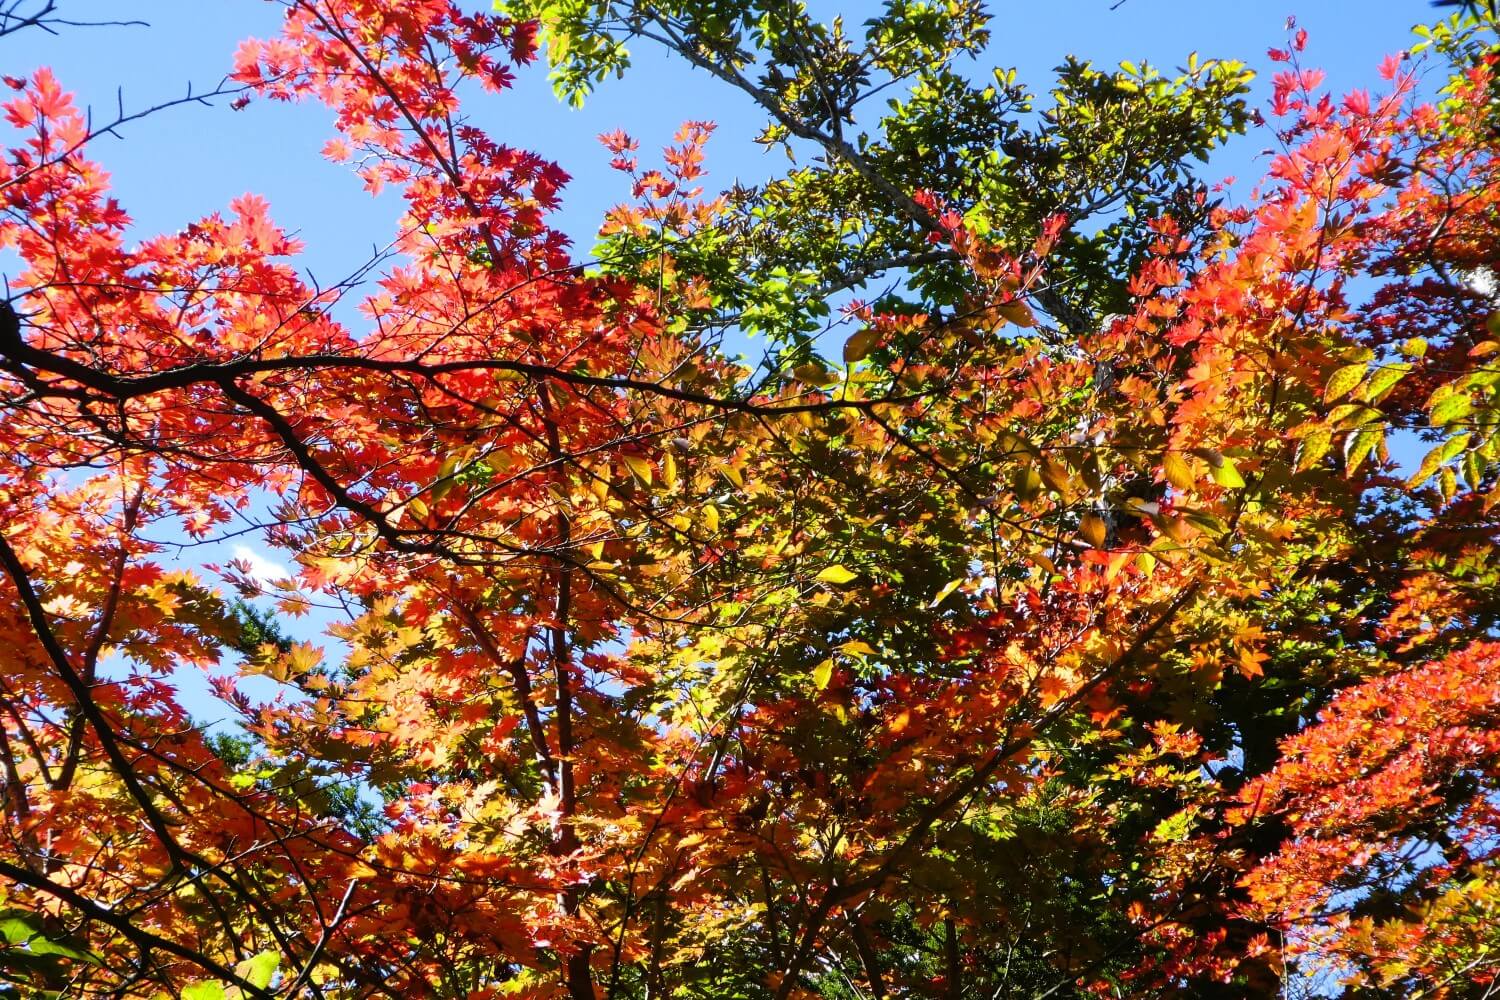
<point x="176" y="166"/>
<point x="182" y="163"/>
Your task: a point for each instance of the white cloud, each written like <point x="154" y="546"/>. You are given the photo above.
<point x="262" y="570"/>
<point x="1483" y="281"/>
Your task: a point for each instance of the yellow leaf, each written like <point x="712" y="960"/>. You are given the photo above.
<point x="1028" y="484"/>
<point x="1227" y="475"/>
<point x="813" y="374"/>
<point x="1057" y="476"/>
<point x="639" y="467"/>
<point x="166" y="602"/>
<point x="361" y="870"/>
<point x="1178" y="470"/>
<point x="1315" y="444"/>
<point x="301" y="658"/>
<point x="942" y="595"/>
<point x="1018" y="313"/>
<point x="1343" y="381"/>
<point x="1447" y="482"/>
<point x="823" y="673"/>
<point x="836" y="575"/>
<point x="711" y="519"/>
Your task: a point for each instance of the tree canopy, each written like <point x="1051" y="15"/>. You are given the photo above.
<point x="1070" y="621"/>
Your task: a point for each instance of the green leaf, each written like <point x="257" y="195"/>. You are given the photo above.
<point x="1384" y="378"/>
<point x="1174" y="828"/>
<point x="19" y="926"/>
<point x="1447" y="482"/>
<point x="1361" y="444"/>
<point x="1454" y="446"/>
<point x="1452" y="408"/>
<point x="1473" y="467"/>
<point x="1028" y="483"/>
<point x="204" y="990"/>
<point x="60" y="947"/>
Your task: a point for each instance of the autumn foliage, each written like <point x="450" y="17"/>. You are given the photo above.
<point x="1093" y="592"/>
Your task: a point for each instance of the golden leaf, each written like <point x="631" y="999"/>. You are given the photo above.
<point x="857" y="347"/>
<point x="1094" y="530"/>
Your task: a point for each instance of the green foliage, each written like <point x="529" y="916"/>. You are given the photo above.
<point x="1106" y="150"/>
